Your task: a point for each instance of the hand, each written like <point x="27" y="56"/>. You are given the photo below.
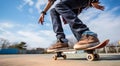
<point x="41" y="19"/>
<point x="97" y="6"/>
<point x="101" y="8"/>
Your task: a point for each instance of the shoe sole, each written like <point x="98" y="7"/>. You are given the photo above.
<point x="57" y="50"/>
<point x="81" y="47"/>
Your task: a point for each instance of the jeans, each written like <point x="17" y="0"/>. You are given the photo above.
<point x="64" y="9"/>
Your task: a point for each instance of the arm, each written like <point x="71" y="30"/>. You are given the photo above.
<point x="49" y="4"/>
<point x="47" y="7"/>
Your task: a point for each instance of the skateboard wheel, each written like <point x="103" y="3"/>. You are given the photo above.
<point x="64" y="56"/>
<point x="90" y="57"/>
<point x="96" y="56"/>
<point x="55" y="57"/>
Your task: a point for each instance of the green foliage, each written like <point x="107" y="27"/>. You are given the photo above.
<point x="21" y="46"/>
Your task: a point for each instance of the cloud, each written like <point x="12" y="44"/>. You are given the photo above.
<point x="29" y="2"/>
<point x="25" y="2"/>
<point x="29" y="33"/>
<point x="39" y="5"/>
<point x="6" y="25"/>
<point x="37" y="39"/>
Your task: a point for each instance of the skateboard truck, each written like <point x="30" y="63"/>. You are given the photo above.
<point x="59" y="54"/>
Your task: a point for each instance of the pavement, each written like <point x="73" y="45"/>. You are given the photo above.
<point x="47" y="60"/>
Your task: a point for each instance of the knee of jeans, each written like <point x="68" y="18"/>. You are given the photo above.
<point x="59" y="5"/>
<point x="52" y="10"/>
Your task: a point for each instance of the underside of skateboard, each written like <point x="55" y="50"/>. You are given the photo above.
<point x="91" y="55"/>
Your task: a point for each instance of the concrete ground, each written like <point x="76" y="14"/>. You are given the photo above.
<point x="47" y="60"/>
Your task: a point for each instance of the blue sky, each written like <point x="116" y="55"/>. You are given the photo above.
<point x="19" y="22"/>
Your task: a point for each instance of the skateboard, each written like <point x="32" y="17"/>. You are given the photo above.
<point x="91" y="54"/>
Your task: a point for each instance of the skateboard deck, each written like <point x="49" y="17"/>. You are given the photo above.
<point x="101" y="45"/>
<point x="91" y="55"/>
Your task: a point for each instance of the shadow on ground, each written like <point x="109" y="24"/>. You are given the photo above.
<point x="110" y="57"/>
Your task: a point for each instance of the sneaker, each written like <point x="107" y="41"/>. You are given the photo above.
<point x="86" y="41"/>
<point x="58" y="45"/>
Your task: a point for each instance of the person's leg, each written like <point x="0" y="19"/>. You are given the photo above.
<point x="78" y="28"/>
<point x="56" y="22"/>
<point x="75" y="23"/>
<point x="57" y="27"/>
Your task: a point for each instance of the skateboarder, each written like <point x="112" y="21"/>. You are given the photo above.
<point x="69" y="10"/>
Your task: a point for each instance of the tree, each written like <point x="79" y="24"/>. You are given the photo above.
<point x="4" y="43"/>
<point x="21" y="46"/>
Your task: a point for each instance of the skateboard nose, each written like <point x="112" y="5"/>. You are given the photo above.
<point x="107" y="41"/>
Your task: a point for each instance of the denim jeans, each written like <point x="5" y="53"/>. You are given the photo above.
<point x="64" y="9"/>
